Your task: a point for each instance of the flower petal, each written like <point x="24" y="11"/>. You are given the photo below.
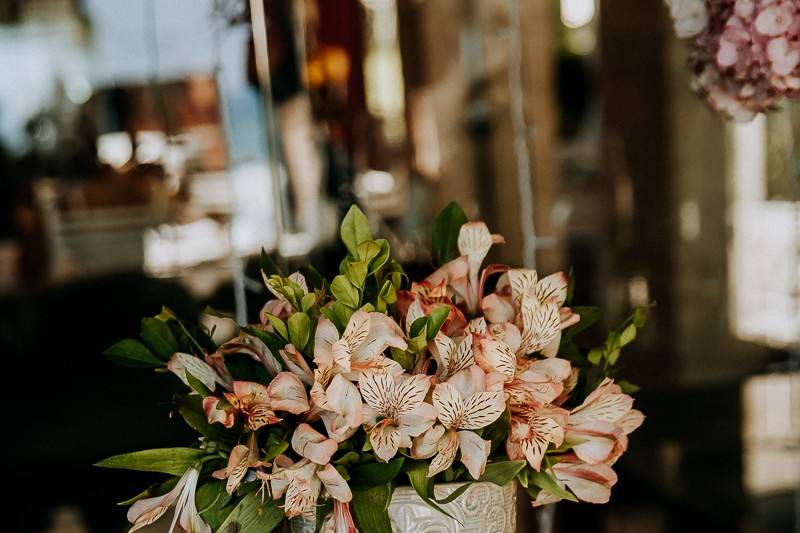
<point x="631" y="421"/>
<point x="447" y="448"/>
<point x="590" y="483"/>
<point x="335" y="483"/>
<point x="416" y="421"/>
<point x="414" y="312"/>
<point x="409" y="392"/>
<point x="313" y="445"/>
<point x="343" y="398"/>
<point x="296" y="364"/>
<point x="287" y="393"/>
<point x="474" y="452"/>
<point x="357" y="330"/>
<point x="523" y="283"/>
<point x="377" y="389"/>
<point x="324" y="337"/>
<point x="449" y="404"/>
<point x="385" y="440"/>
<point x="238" y="463"/>
<point x="482" y="408"/>
<point x="553" y="288"/>
<point x="496" y="356"/>
<point x="497" y="309"/>
<point x="425" y="446"/>
<point x="180" y="363"/>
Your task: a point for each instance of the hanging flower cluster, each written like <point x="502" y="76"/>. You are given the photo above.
<point x="345" y="386"/>
<point x="744" y="54"/>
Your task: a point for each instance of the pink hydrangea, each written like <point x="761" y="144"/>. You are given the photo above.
<point x="747" y="56"/>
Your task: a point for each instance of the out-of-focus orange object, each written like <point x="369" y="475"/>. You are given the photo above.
<point x="331" y="66"/>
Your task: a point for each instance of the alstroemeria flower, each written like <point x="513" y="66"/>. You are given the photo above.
<point x="450" y="357"/>
<point x="537" y="383"/>
<point x="462" y="275"/>
<point x="533" y="431"/>
<point x="590" y="483"/>
<point x="215" y="414"/>
<point x="296" y="363"/>
<point x="360" y="347"/>
<point x="340" y="520"/>
<point x="147" y="511"/>
<point x="395" y="410"/>
<point x="494" y="355"/>
<point x="258" y="403"/>
<point x="181" y="363"/>
<point x="598" y="428"/>
<point x="301" y="482"/>
<point x="463" y="405"/>
<point x="541" y="316"/>
<point x="240" y="460"/>
<point x="340" y="402"/>
<point x="255" y="348"/>
<point x="426" y="296"/>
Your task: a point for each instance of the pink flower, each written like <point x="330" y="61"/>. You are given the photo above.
<point x="598" y="428"/>
<point x="590" y="483"/>
<point x="340" y="520"/>
<point x="463" y="404"/>
<point x="240" y="460"/>
<point x="395" y="411"/>
<point x="147" y="511"/>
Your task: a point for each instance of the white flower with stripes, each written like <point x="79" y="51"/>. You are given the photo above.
<point x="395" y="410"/>
<point x="463" y="405"/>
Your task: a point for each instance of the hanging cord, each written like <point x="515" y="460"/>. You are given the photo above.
<point x="521" y="129"/>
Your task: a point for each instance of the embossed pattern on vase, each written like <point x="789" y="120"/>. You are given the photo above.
<point x="483" y="508"/>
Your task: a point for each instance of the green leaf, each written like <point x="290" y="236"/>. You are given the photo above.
<point x="156" y="489"/>
<point x="174" y="461"/>
<point x="275" y="449"/>
<point x="417" y="326"/>
<point x="545" y="481"/>
<point x="405" y="359"/>
<point x="347" y="459"/>
<point x="370" y="507"/>
<point x="197" y="385"/>
<point x="299" y="330"/>
<point x="628" y="387"/>
<point x="455" y="494"/>
<point x="613" y="356"/>
<point x="417" y="472"/>
<point x="354" y="230"/>
<point x="367" y="251"/>
<point x="308" y="301"/>
<point x="268" y="266"/>
<point x="502" y="472"/>
<point x="435" y="321"/>
<point x="628" y="335"/>
<point x="279" y="326"/>
<point x="344" y="292"/>
<point x="159" y="338"/>
<point x="191" y="409"/>
<point x="640" y="316"/>
<point x="595" y="355"/>
<point x="129" y="352"/>
<point x="382" y="257"/>
<point x="445" y="233"/>
<point x="209" y="494"/>
<point x="374" y="474"/>
<point x="251" y="516"/>
<point x="356" y="273"/>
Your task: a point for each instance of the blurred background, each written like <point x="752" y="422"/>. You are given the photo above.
<point x="150" y="148"/>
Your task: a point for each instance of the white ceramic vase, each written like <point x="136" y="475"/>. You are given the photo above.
<point x="483" y="508"/>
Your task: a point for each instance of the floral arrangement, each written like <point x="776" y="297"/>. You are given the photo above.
<point x="744" y="54"/>
<point x="346" y="388"/>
